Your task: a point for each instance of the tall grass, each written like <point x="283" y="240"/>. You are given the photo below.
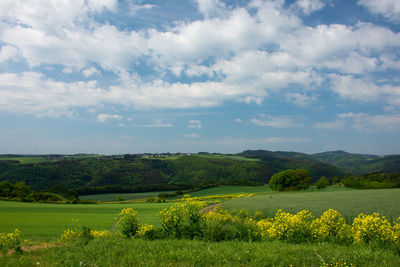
<point x="135" y="252"/>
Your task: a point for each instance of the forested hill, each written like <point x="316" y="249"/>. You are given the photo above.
<point x="95" y="174"/>
<point x="358" y="164"/>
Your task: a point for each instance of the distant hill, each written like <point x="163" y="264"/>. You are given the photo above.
<point x="359" y="164"/>
<point x="125" y="173"/>
<point x="153" y="172"/>
<point x="280" y="160"/>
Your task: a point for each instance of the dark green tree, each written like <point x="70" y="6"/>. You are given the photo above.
<point x="322" y="183"/>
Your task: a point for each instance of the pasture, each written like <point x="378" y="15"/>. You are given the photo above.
<point x="349" y="202"/>
<point x="39" y="221"/>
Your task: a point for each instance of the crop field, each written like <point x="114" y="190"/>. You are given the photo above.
<point x="39" y="221"/>
<point x="27" y="160"/>
<point x="231" y="189"/>
<point x="124" y="196"/>
<point x="349" y="202"/>
<point x="221" y="156"/>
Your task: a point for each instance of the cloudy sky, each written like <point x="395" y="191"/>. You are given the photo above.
<point x="131" y="76"/>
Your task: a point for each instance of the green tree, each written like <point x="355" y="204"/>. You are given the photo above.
<point x="322" y="183"/>
<point x="290" y="180"/>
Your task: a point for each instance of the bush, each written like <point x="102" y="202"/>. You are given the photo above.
<point x="128" y="222"/>
<point x="183" y="219"/>
<point x="222" y="225"/>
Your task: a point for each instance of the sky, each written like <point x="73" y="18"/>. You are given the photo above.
<point x="120" y="76"/>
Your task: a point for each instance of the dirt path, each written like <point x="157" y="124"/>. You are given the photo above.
<point x="211" y="208"/>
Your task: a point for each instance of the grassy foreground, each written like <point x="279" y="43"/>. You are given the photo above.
<point x="136" y="252"/>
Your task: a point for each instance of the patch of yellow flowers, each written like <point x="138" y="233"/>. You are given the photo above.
<point x="330" y="226"/>
<point x="10" y="240"/>
<point x="73" y="235"/>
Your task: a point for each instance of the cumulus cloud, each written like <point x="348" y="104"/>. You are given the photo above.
<point x="390" y="9"/>
<point x="8" y="52"/>
<point x="159" y="124"/>
<point x="32" y="93"/>
<point x="373" y="123"/>
<point x="301" y="100"/>
<point x="103" y="117"/>
<point x="242" y="54"/>
<point x="90" y="71"/>
<point x="366" y="90"/>
<point x="192" y="135"/>
<point x="195" y="124"/>
<point x="309" y="6"/>
<point x="134" y="7"/>
<point x="277" y="122"/>
<point x="332" y="125"/>
<point x="238" y="120"/>
<point x="265" y="141"/>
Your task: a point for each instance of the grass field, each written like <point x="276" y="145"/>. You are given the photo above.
<point x="27" y="160"/>
<point x="221" y="156"/>
<point x="125" y="196"/>
<point x="230" y="189"/>
<point x="349" y="202"/>
<point x="136" y="252"/>
<point x="39" y="221"/>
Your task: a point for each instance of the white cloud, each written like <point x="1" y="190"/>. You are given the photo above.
<point x="364" y="90"/>
<point x="192" y="135"/>
<point x="248" y="53"/>
<point x="159" y="124"/>
<point x="127" y="137"/>
<point x="103" y="117"/>
<point x="134" y="8"/>
<point x="195" y="124"/>
<point x="90" y="71"/>
<point x="301" y="100"/>
<point x="309" y="6"/>
<point x="8" y="52"/>
<point x="373" y="123"/>
<point x="210" y="8"/>
<point x="390" y="9"/>
<point x="261" y="141"/>
<point x="277" y="122"/>
<point x="333" y="125"/>
<point x="238" y="120"/>
<point x="31" y="93"/>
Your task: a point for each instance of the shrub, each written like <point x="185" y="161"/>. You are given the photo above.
<point x="222" y="225"/>
<point x="128" y="222"/>
<point x="372" y="229"/>
<point x="330" y="226"/>
<point x="184" y="218"/>
<point x="11" y="241"/>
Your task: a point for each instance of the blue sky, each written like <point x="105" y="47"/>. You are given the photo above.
<point x="110" y="77"/>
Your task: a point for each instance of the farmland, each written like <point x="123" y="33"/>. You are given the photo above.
<point x="349" y="202"/>
<point x="38" y="221"/>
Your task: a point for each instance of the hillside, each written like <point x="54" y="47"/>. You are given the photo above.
<point x="133" y="173"/>
<point x="358" y="164"/>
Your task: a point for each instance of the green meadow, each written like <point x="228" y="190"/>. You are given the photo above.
<point x="40" y="221"/>
<point x="349" y="202"/>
